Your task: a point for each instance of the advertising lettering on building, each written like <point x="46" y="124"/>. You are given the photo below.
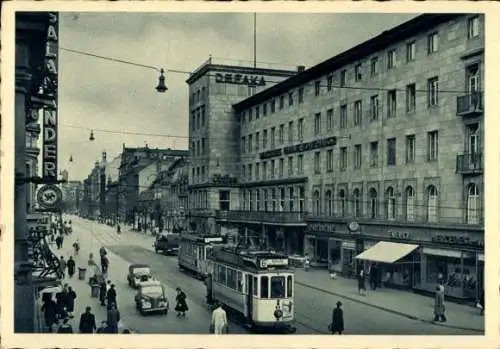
<point x="49" y="87"/>
<point x="240" y="79"/>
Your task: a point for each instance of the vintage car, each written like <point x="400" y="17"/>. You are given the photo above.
<point x="151" y="297"/>
<point x="167" y="243"/>
<point x="138" y="273"/>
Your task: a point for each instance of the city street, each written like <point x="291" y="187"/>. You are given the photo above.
<point x="313" y="307"/>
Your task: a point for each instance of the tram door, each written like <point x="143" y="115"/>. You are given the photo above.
<point x="249" y="283"/>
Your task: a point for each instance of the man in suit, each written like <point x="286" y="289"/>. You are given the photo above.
<point x="87" y="322"/>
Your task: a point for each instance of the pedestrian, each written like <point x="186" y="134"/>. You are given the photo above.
<point x="103" y="328"/>
<point x="59" y="242"/>
<point x="337" y="325"/>
<point x="181" y="306"/>
<point x="76" y="247"/>
<point x="104" y="264"/>
<point x="49" y="309"/>
<point x="373" y="277"/>
<point x="218" y="324"/>
<point x="102" y="291"/>
<point x="87" y="322"/>
<point x="62" y="239"/>
<point x="111" y="297"/>
<point x="439" y="306"/>
<point x="65" y="327"/>
<point x="113" y="318"/>
<point x="71" y="266"/>
<point x="61" y="301"/>
<point x="361" y="282"/>
<point x="62" y="267"/>
<point x="70" y="301"/>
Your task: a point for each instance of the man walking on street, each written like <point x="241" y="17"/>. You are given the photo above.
<point x="218" y="324"/>
<point x="62" y="267"/>
<point x="87" y="322"/>
<point x="113" y="319"/>
<point x="337" y="325"/>
<point x="111" y="296"/>
<point x="102" y="291"/>
<point x="71" y="266"/>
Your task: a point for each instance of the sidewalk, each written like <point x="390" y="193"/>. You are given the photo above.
<point x="406" y="304"/>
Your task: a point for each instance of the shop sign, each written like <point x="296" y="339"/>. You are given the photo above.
<point x="321" y="227"/>
<point x="320" y="143"/>
<point x="400" y="235"/>
<point x="240" y="79"/>
<point x="270" y="154"/>
<point x="457" y="240"/>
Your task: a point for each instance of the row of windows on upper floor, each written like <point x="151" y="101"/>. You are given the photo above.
<point x="198" y="118"/>
<point x="199" y="95"/>
<point x="271" y="172"/>
<point x="391" y="60"/>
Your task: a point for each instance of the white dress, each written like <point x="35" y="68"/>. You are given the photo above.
<point x="219" y="320"/>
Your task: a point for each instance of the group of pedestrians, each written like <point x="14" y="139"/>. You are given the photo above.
<point x="59" y="311"/>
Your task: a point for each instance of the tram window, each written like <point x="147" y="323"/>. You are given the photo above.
<point x="222" y="275"/>
<point x="289" y="286"/>
<point x="240" y="282"/>
<point x="278" y="287"/>
<point x="255" y="285"/>
<point x="231" y="278"/>
<point x="264" y="287"/>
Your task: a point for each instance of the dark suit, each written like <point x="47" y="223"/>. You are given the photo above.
<point x="87" y="323"/>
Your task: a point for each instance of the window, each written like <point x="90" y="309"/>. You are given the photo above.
<point x="250" y="198"/>
<point x="257" y="141"/>
<point x="250" y="143"/>
<point x="300" y="129"/>
<point x="473" y="204"/>
<point x="390" y="204"/>
<point x="257" y="112"/>
<point x="432" y="145"/>
<point x="264" y="170"/>
<point x="317" y="159"/>
<point x="301" y="95"/>
<point x="300" y="164"/>
<point x="266" y="199"/>
<point x="289" y="286"/>
<point x="264" y="287"/>
<point x="343" y="116"/>
<point x="249" y="115"/>
<point x="391" y="104"/>
<point x="329" y="160"/>
<point x="357" y="156"/>
<point x="374" y="66"/>
<point x="290" y="199"/>
<point x="410" y="149"/>
<point x="316" y="204"/>
<point x="410" y="204"/>
<point x="290" y="99"/>
<point x="342" y="78"/>
<point x="242" y="117"/>
<point x="358" y="76"/>
<point x="198" y="147"/>
<point x="317" y="123"/>
<point x="328" y="203"/>
<point x="264" y="140"/>
<point x="264" y="109"/>
<point x="243" y="171"/>
<point x="273" y="198"/>
<point x="273" y="106"/>
<point x="255" y="285"/>
<point x="410" y="51"/>
<point x="373" y="203"/>
<point x="391" y="59"/>
<point x="273" y="137"/>
<point x="356" y="203"/>
<point x="329" y="83"/>
<point x="329" y="119"/>
<point x="257" y="200"/>
<point x="374" y="108"/>
<point x="257" y="171"/>
<point x="282" y="199"/>
<point x="250" y="172"/>
<point x="343" y="158"/>
<point x="202" y="115"/>
<point x="391" y="152"/>
<point x="410" y="98"/>
<point x="432" y="197"/>
<point x="301" y="198"/>
<point x="290" y="132"/>
<point x="244" y="199"/>
<point x="282" y="102"/>
<point x="282" y="133"/>
<point x="290" y="166"/>
<point x="232" y="281"/>
<point x="317" y="87"/>
<point x="432" y="43"/>
<point x="282" y="165"/>
<point x="252" y="90"/>
<point x="203" y="149"/>
<point x="473" y="27"/>
<point x="277" y="287"/>
<point x="273" y="168"/>
<point x="342" y="202"/>
<point x="358" y="109"/>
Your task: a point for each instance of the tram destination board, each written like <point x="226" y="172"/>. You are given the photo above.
<point x="281" y="262"/>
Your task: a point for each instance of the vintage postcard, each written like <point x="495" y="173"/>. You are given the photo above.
<point x="250" y="175"/>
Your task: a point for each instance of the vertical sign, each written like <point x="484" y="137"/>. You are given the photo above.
<point x="49" y="88"/>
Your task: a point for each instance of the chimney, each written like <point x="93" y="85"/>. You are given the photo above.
<point x="301" y="68"/>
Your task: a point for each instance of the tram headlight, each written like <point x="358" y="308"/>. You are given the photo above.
<point x="278" y="314"/>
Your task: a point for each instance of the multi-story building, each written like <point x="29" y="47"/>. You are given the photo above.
<point x="71" y="196"/>
<point x="381" y="143"/>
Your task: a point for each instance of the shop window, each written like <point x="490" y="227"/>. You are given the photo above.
<point x="289" y="286"/>
<point x="432" y="200"/>
<point x="373" y="203"/>
<point x="329" y="203"/>
<point x="410" y="204"/>
<point x="390" y="204"/>
<point x="473" y="204"/>
<point x="356" y="201"/>
<point x="342" y="203"/>
<point x="264" y="287"/>
<point x="316" y="204"/>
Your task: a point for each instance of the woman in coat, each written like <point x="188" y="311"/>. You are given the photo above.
<point x="337" y="325"/>
<point x="71" y="266"/>
<point x="70" y="301"/>
<point x="181" y="306"/>
<point x="439" y="307"/>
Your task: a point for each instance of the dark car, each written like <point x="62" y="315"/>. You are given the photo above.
<point x="138" y="273"/>
<point x="151" y="297"/>
<point x="167" y="243"/>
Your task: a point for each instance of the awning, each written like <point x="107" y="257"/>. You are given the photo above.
<point x="387" y="252"/>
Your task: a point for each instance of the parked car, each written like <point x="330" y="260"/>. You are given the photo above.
<point x="151" y="297"/>
<point x="138" y="273"/>
<point x="167" y="243"/>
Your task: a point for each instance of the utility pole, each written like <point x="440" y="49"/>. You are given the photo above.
<point x="255" y="40"/>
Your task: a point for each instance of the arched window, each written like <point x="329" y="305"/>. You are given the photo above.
<point x="410" y="204"/>
<point x="432" y="203"/>
<point x="356" y="202"/>
<point x="328" y="203"/>
<point x="316" y="203"/>
<point x="390" y="203"/>
<point x="473" y="204"/>
<point x="373" y="203"/>
<point x="342" y="202"/>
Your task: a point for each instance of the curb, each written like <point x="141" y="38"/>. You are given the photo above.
<point x="395" y="312"/>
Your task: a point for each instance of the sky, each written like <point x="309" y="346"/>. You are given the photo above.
<point x="99" y="94"/>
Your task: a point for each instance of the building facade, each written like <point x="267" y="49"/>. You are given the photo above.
<point x="71" y="196"/>
<point x="383" y="142"/>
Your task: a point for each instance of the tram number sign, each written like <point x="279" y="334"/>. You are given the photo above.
<point x="273" y="263"/>
<point x="208" y="240"/>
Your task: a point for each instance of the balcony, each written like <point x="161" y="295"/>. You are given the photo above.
<point x="470" y="105"/>
<point x="263" y="217"/>
<point x="470" y="163"/>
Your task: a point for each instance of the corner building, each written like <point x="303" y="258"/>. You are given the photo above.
<point x="376" y="151"/>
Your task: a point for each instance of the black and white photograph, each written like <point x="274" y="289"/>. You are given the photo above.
<point x="253" y="172"/>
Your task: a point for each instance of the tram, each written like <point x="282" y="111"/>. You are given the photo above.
<point x="257" y="285"/>
<point x="193" y="251"/>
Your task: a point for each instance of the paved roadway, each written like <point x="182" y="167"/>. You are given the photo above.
<point x="313" y="308"/>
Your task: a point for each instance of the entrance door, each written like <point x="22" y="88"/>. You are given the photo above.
<point x="249" y="282"/>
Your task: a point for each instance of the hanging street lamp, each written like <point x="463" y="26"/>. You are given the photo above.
<point x="91" y="137"/>
<point x="162" y="87"/>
